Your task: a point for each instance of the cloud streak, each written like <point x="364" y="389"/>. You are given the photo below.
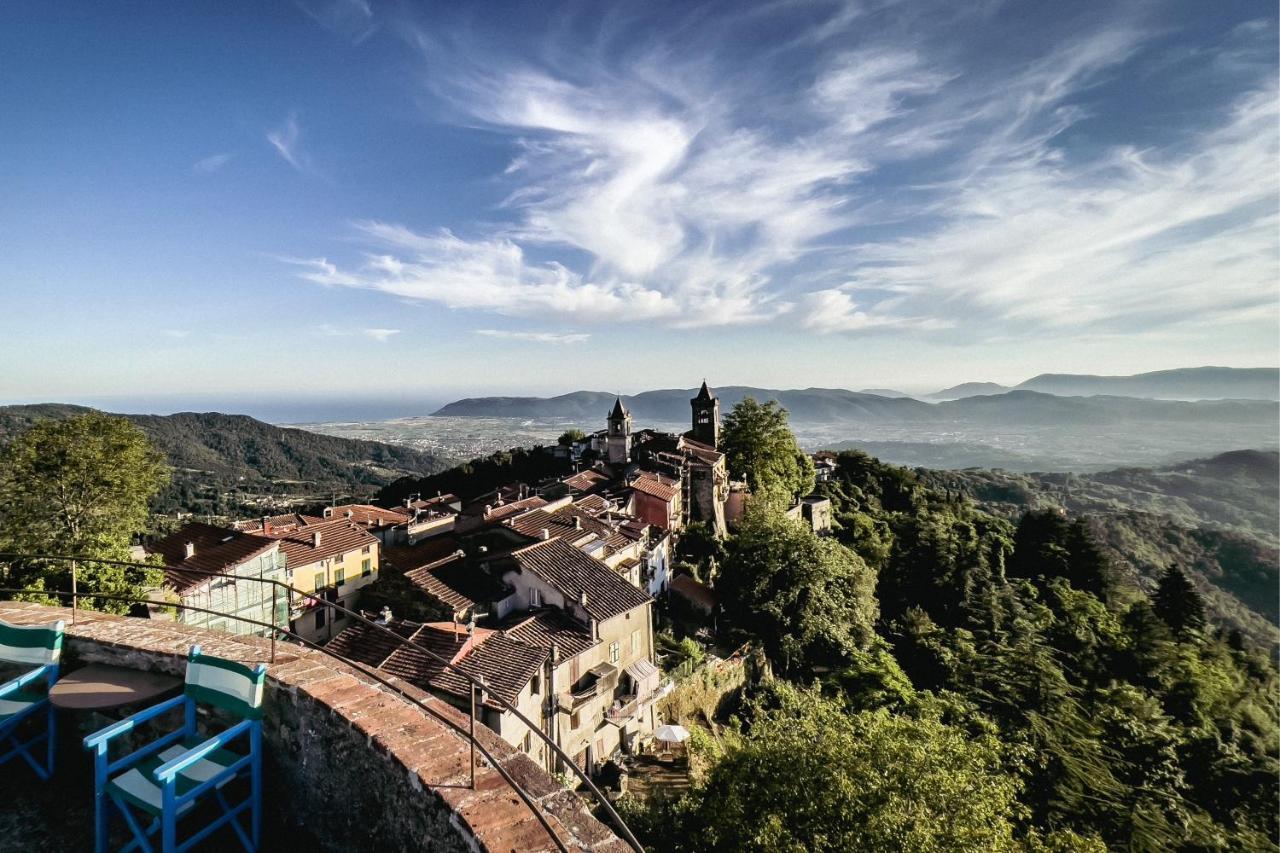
<point x="285" y="139"/>
<point x="893" y="185"/>
<point x="212" y="163"/>
<point x="380" y="335"/>
<point x="535" y="337"/>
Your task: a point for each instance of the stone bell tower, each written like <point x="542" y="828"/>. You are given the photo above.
<point x="706" y="417"/>
<point x="618" y="441"/>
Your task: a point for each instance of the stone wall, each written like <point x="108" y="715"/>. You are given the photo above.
<point x="349" y="762"/>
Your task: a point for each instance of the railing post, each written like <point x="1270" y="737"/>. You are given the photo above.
<point x="473" y="736"/>
<point x="275" y="616"/>
<point x="75" y="599"/>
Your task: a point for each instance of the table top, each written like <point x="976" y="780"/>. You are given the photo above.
<point x="99" y="687"/>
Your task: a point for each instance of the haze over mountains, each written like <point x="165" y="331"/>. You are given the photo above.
<point x="1187" y="383"/>
<point x="1231" y="395"/>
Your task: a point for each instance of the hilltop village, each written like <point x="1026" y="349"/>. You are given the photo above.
<point x="544" y="590"/>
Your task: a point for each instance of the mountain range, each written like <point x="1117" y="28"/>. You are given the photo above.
<point x="1187" y="383"/>
<point x="834" y="405"/>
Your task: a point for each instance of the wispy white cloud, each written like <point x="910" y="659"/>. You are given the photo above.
<point x="351" y="19"/>
<point x="380" y="335"/>
<point x="889" y="187"/>
<point x="1130" y="241"/>
<point x="536" y="337"/>
<point x="285" y="139"/>
<point x="176" y="333"/>
<point x="212" y="163"/>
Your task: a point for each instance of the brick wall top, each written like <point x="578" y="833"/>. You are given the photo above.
<point x="430" y="747"/>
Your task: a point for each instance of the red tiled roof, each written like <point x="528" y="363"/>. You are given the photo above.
<point x="573" y="573"/>
<point x="505" y="664"/>
<point x="336" y="537"/>
<point x="656" y="485"/>
<point x="366" y="514"/>
<point x="458" y="583"/>
<point x="594" y="504"/>
<point x="287" y="521"/>
<point x="547" y="627"/>
<point x="428" y="551"/>
<point x="217" y="549"/>
<point x="585" y="481"/>
<point x="500" y="511"/>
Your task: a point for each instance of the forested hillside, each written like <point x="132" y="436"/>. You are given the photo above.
<point x="223" y="461"/>
<point x="950" y="679"/>
<point x="1218" y="518"/>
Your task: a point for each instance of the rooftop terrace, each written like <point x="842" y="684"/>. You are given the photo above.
<point x="351" y="764"/>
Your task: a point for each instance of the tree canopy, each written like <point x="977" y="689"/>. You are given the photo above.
<point x="80" y="487"/>
<point x="761" y="448"/>
<point x="1004" y="656"/>
<point x="809" y="775"/>
<point x="808" y="600"/>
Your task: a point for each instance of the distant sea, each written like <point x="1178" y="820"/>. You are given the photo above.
<point x="274" y="409"/>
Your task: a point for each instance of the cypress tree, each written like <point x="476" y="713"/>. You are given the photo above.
<point x="1178" y="603"/>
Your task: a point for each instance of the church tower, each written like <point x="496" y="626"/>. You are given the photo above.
<point x="618" y="442"/>
<point x="706" y="417"/>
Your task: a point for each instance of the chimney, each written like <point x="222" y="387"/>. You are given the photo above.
<point x="386" y="615"/>
<point x="577" y="522"/>
<point x="328" y="512"/>
<point x="315" y="539"/>
<point x="266" y="529"/>
<point x="555" y="654"/>
<point x="488" y="510"/>
<point x="349" y="514"/>
<point x="582" y="599"/>
<point x="189" y="549"/>
<point x="545" y="534"/>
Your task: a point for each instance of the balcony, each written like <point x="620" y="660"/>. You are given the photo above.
<point x="624" y="709"/>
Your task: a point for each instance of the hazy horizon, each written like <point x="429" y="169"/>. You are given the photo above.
<point x="294" y="408"/>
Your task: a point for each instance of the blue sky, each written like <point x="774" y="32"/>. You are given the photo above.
<point x="351" y="199"/>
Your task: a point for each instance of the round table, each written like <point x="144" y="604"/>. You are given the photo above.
<point x="100" y="687"/>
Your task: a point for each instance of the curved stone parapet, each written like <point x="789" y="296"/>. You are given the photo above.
<point x="351" y="762"/>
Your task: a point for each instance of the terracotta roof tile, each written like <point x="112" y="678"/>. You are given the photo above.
<point x="549" y="626"/>
<point x="458" y="583"/>
<point x="367" y="515"/>
<point x="506" y="665"/>
<point x="573" y="573"/>
<point x="335" y="537"/>
<point x="217" y="549"/>
<point x="657" y="485"/>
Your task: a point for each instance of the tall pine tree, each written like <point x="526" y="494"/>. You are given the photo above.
<point x="1178" y="603"/>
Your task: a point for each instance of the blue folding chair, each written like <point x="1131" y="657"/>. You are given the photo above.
<point x="158" y="784"/>
<point x="22" y="699"/>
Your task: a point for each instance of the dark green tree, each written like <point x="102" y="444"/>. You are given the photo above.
<point x="569" y="436"/>
<point x="761" y="448"/>
<point x="807" y="599"/>
<point x="1178" y="603"/>
<point x="811" y="776"/>
<point x="79" y="487"/>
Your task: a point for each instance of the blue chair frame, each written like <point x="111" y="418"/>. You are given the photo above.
<point x="179" y="769"/>
<point x="26" y="644"/>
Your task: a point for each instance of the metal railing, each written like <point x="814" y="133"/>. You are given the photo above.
<point x="478" y="686"/>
